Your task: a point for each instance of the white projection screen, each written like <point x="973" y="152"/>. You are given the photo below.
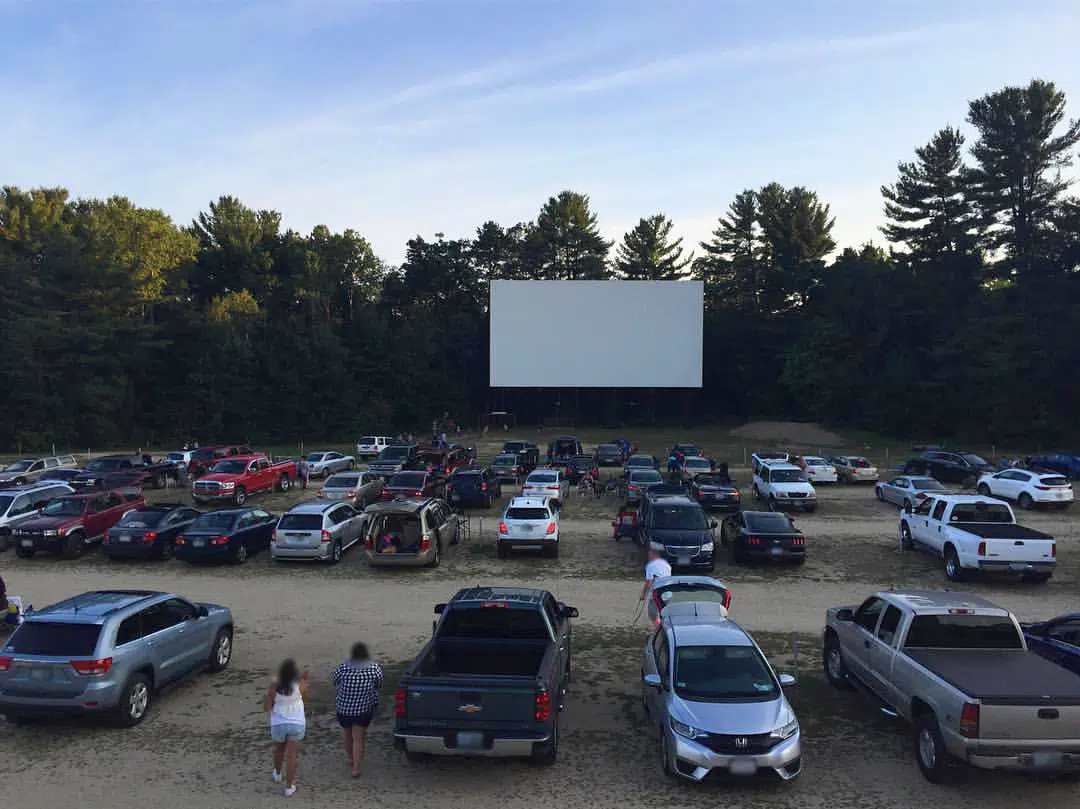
<point x="596" y="334"/>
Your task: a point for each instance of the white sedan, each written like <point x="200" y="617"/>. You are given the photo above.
<point x="1028" y="488"/>
<point x="324" y="464"/>
<point x="818" y="470"/>
<point x="547" y="483"/>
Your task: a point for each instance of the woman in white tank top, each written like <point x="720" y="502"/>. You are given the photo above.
<point x="288" y="724"/>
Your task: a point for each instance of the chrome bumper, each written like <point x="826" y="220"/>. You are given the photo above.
<point x="695" y="761"/>
<point x="1027" y="761"/>
<point x="500" y="748"/>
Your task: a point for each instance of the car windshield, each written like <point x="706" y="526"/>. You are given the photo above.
<point x="722" y="673"/>
<point x="300" y="522"/>
<point x="141" y="519"/>
<point x="19" y="466"/>
<point x="408" y="480"/>
<point x="646" y="476"/>
<point x="974" y="459"/>
<point x="526" y="513"/>
<point x="769" y="523"/>
<point x="928" y="485"/>
<point x="342" y="482"/>
<point x="5" y="501"/>
<point x="678" y="518"/>
<point x="788" y="476"/>
<point x="229" y="467"/>
<point x="394" y="454"/>
<point x="54" y="639"/>
<point x="543" y="477"/>
<point x="962" y="632"/>
<point x="64" y="507"/>
<point x="214" y="521"/>
<point x="367" y="440"/>
<point x="103" y="465"/>
<point x="315" y="457"/>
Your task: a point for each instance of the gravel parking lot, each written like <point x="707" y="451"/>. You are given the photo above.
<point x="206" y="743"/>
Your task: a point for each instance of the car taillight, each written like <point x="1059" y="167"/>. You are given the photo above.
<point x="753" y="541"/>
<point x="543" y="706"/>
<point x="982" y="549"/>
<point x="418" y="493"/>
<point x="483" y="487"/>
<point x="92" y="668"/>
<point x="1053" y="550"/>
<point x="921" y="496"/>
<point x="399" y="703"/>
<point x="149" y="537"/>
<point x="969" y="721"/>
<point x="325" y="536"/>
<point x="632" y="488"/>
<point x="5" y="663"/>
<point x="727" y="599"/>
<point x="503" y="529"/>
<point x="551" y="528"/>
<point x="425" y="542"/>
<point x="219" y="541"/>
<point x="798" y="541"/>
<point x="180" y="540"/>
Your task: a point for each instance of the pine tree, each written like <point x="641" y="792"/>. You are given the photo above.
<point x="647" y="253"/>
<point x="566" y="244"/>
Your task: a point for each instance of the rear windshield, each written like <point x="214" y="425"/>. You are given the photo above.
<point x="567" y="445"/>
<point x="973" y="459"/>
<point x="639" y="460"/>
<point x="679" y="593"/>
<point x="212" y="522"/>
<point x="526" y="514"/>
<point x="709" y="479"/>
<point x="859" y="463"/>
<point x="769" y="523"/>
<point x="300" y="522"/>
<point x="315" y="457"/>
<point x="394" y="453"/>
<point x="496" y="622"/>
<point x="54" y="639"/>
<point x="697" y="463"/>
<point x="608" y="448"/>
<point x="367" y="439"/>
<point x="141" y="519"/>
<point x="1053" y="480"/>
<point x="410" y="480"/>
<point x="962" y="632"/>
<point x="678" y="518"/>
<point x="342" y="482"/>
<point x="504" y="460"/>
<point x="647" y="476"/>
<point x="543" y="477"/>
<point x="981" y="512"/>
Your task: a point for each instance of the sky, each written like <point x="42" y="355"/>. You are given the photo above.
<point x="400" y="118"/>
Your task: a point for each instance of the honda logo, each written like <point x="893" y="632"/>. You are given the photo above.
<point x="741" y="741"/>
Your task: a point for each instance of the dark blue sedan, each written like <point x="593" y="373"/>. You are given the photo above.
<point x="1064" y="463"/>
<point x="229" y="535"/>
<point x="1057" y="639"/>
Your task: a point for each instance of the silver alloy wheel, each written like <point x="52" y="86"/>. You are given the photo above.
<point x="337" y="551"/>
<point x="241" y="553"/>
<point x="835" y="663"/>
<point x="952" y="565"/>
<point x="927" y="748"/>
<point x="139" y="700"/>
<point x="224" y="650"/>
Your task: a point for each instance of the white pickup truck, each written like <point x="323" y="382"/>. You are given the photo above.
<point x="976" y="533"/>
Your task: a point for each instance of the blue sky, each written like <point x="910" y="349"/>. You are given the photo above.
<point x="405" y="117"/>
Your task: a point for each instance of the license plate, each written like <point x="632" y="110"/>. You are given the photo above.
<point x="1046" y="760"/>
<point x="740" y="766"/>
<point x="526" y="529"/>
<point x="777" y="551"/>
<point x="470" y="739"/>
<point x="297" y="536"/>
<point x="40" y="674"/>
<point x="199" y="543"/>
<point x="684" y="560"/>
<point x="27" y="543"/>
<point x="125" y="537"/>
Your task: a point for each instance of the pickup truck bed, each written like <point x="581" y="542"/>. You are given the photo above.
<point x="1003" y="678"/>
<point x="487" y="658"/>
<point x="999" y="530"/>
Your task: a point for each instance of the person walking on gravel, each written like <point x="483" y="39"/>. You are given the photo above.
<point x="657" y="568"/>
<point x="357" y="680"/>
<point x="288" y="724"/>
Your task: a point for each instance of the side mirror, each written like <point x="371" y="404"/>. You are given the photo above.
<point x="568" y="612"/>
<point x="203" y="611"/>
<point x="439" y="609"/>
<point x="845" y="615"/>
<point x="652" y="680"/>
<point x="907" y="508"/>
<point x="787" y="679"/>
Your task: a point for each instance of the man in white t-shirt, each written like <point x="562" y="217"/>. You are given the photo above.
<point x="657" y="568"/>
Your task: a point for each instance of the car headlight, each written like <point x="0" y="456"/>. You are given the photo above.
<point x="707" y="547"/>
<point x="687" y="731"/>
<point x="52" y="532"/>
<point x="786" y="731"/>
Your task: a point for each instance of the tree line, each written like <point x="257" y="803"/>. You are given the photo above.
<point x="121" y="326"/>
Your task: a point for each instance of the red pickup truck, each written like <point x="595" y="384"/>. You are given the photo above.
<point x="65" y="525"/>
<point x="235" y="479"/>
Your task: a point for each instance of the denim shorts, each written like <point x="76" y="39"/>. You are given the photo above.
<point x="287" y="732"/>
<point x="361" y="720"/>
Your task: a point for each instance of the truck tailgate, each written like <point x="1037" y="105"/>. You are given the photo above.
<point x="488" y="703"/>
<point x="1049" y="722"/>
<point x="1019" y="550"/>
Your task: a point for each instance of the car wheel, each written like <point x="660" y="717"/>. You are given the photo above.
<point x="24" y="553"/>
<point x="221" y="651"/>
<point x="755" y="492"/>
<point x="436" y="558"/>
<point x="159" y="481"/>
<point x="1037" y="578"/>
<point x="165" y="553"/>
<point x="1062" y="506"/>
<point x="240" y="497"/>
<point x="413" y="757"/>
<point x="352" y="465"/>
<point x="772" y="503"/>
<point x="335" y="553"/>
<point x="953" y="571"/>
<point x="907" y="542"/>
<point x="546" y="754"/>
<point x="500" y="550"/>
<point x="665" y="755"/>
<point x="984" y="490"/>
<point x="908" y="504"/>
<point x="880" y="494"/>
<point x="552" y="551"/>
<point x="134" y="701"/>
<point x="930" y="751"/>
<point x="835" y="670"/>
<point x="74" y="543"/>
<point x="1025" y="501"/>
<point x="240" y="555"/>
<point x="284" y="482"/>
<point x="5" y="542"/>
<point x="969" y="481"/>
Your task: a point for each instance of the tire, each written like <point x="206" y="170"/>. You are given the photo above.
<point x="335" y="553"/>
<point x="665" y="756"/>
<point x="5" y="542"/>
<point x="983" y="489"/>
<point x="352" y="465"/>
<point x="436" y="559"/>
<point x="241" y="496"/>
<point x="500" y="550"/>
<point x="772" y="503"/>
<point x="930" y="753"/>
<point x="907" y="542"/>
<point x="1062" y="506"/>
<point x="135" y="701"/>
<point x="835" y="670"/>
<point x="546" y="754"/>
<point x="953" y="571"/>
<point x="284" y="483"/>
<point x="1025" y="502"/>
<point x="754" y="491"/>
<point x="240" y="555"/>
<point x="221" y="651"/>
<point x="165" y="554"/>
<point x="19" y="481"/>
<point x="413" y="757"/>
<point x="879" y="494"/>
<point x="1037" y="578"/>
<point x="24" y="553"/>
<point x="969" y="481"/>
<point x="908" y="504"/>
<point x="552" y="551"/>
<point x="74" y="544"/>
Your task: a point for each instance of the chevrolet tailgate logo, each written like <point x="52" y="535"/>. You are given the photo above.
<point x="470" y="708"/>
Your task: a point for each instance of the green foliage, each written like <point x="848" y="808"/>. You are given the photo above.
<point x="565" y="244"/>
<point x="648" y="253"/>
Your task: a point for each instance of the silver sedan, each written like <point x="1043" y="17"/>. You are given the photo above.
<point x="324" y="464"/>
<point x="907" y="490"/>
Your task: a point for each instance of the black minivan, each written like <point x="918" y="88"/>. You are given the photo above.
<point x="680" y="524"/>
<point x="474" y="488"/>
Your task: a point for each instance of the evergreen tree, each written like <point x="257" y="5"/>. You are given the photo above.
<point x="566" y="244"/>
<point x="647" y="253"/>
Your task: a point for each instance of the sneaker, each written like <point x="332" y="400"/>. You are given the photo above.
<point x="290" y="791"/>
<point x="276" y="776"/>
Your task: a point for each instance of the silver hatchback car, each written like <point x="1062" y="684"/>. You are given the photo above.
<point x="715" y="700"/>
<point x="107" y="652"/>
<point x="319" y="529"/>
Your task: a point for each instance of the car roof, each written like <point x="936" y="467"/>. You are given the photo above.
<point x="523" y="594"/>
<point x="94" y="606"/>
<point x="782" y="465"/>
<point x="314" y="506"/>
<point x="689" y="458"/>
<point x="932" y="600"/>
<point x="402" y="505"/>
<point x="707" y="629"/>
<point x="232" y="511"/>
<point x="44" y="483"/>
<point x="527" y="500"/>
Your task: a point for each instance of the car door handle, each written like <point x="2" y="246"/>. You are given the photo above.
<point x="149" y="643"/>
<point x="866" y="643"/>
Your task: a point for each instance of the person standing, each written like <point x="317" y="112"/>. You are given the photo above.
<point x="656" y="568"/>
<point x="358" y="680"/>
<point x="288" y="723"/>
<point x="303" y="469"/>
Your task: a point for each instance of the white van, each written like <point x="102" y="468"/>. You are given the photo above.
<point x="371" y="445"/>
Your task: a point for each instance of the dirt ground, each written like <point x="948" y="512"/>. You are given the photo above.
<point x="206" y="744"/>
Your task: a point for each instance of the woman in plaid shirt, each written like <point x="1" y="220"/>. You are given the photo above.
<point x="357" y="680"/>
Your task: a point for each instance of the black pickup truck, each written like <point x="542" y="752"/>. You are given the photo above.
<point x="122" y="471"/>
<point x="491" y="680"/>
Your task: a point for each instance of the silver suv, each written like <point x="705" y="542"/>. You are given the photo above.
<point x="319" y="529"/>
<point x="108" y="652"/>
<point x="28" y="470"/>
<point x="715" y="700"/>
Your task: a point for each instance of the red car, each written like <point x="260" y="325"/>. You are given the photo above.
<point x="234" y="479"/>
<point x="414" y="484"/>
<point x="443" y="460"/>
<point x="66" y="525"/>
<point x="205" y="457"/>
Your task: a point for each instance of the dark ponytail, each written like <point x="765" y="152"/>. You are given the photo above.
<point x="288" y="676"/>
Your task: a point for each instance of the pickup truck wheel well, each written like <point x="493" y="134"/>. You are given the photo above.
<point x="148" y="672"/>
<point x="920" y="708"/>
<point x="949" y="547"/>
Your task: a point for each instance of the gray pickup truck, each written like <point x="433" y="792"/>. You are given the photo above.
<point x="491" y="680"/>
<point x="958" y="669"/>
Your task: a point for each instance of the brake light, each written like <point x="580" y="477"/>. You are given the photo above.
<point x="551" y="528"/>
<point x="753" y="541"/>
<point x="5" y="663"/>
<point x="399" y="703"/>
<point x="219" y="541"/>
<point x="961" y="611"/>
<point x="425" y="542"/>
<point x="149" y="536"/>
<point x="92" y="668"/>
<point x="982" y="549"/>
<point x="632" y="488"/>
<point x="1053" y="550"/>
<point x="727" y="599"/>
<point x="483" y="487"/>
<point x="798" y="541"/>
<point x="1042" y="488"/>
<point x="503" y="529"/>
<point x="325" y="536"/>
<point x="543" y="706"/>
<point x="969" y="721"/>
<point x="180" y="540"/>
<point x="496" y="604"/>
